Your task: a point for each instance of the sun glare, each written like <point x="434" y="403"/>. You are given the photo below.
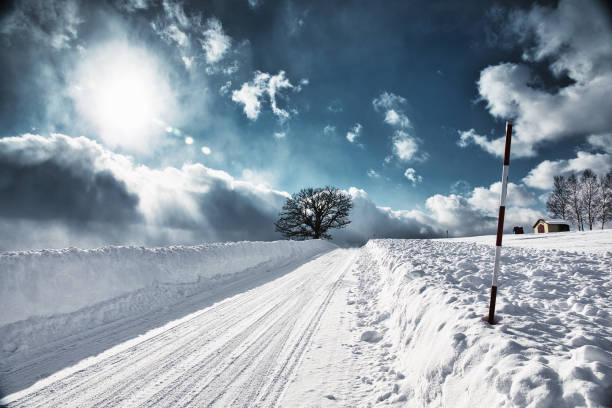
<point x="120" y="90"/>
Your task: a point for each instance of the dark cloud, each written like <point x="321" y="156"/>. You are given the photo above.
<point x="38" y="184"/>
<point x="370" y="221"/>
<point x="78" y="197"/>
<point x="240" y="214"/>
<point x="60" y="191"/>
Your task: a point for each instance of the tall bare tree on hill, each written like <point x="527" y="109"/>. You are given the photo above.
<point x="575" y="201"/>
<point x="604" y="205"/>
<point x="558" y="203"/>
<point x="589" y="188"/>
<point x="311" y="212"/>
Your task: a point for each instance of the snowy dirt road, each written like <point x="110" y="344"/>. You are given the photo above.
<point x="242" y="351"/>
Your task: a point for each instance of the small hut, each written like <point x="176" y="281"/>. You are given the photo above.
<point x="542" y="226"/>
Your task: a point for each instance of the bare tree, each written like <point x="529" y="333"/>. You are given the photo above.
<point x="313" y="211"/>
<point x="604" y="204"/>
<point x="589" y="189"/>
<point x="575" y="202"/>
<point x="558" y="202"/>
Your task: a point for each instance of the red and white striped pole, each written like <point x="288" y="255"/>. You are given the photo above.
<point x="500" y="222"/>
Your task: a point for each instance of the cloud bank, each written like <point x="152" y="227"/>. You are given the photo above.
<point x="62" y="191"/>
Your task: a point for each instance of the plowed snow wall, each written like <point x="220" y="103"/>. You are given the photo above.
<point x="47" y="282"/>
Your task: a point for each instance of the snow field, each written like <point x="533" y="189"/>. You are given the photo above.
<point x="396" y="322"/>
<point x="594" y="242"/>
<point x="421" y="304"/>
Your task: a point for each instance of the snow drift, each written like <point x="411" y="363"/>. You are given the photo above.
<point x="50" y="282"/>
<point x="425" y="299"/>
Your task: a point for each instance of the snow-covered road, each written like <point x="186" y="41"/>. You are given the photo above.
<point x="238" y="352"/>
<point x="394" y="323"/>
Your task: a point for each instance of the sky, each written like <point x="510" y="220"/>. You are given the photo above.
<point x="174" y="122"/>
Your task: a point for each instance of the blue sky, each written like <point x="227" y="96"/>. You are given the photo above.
<point x="401" y="103"/>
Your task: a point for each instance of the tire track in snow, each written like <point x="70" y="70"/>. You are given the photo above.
<point x="238" y="352"/>
<point x="269" y="394"/>
<point x="105" y="368"/>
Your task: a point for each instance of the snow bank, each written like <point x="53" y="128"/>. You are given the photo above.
<point x="424" y="301"/>
<point x="50" y="282"/>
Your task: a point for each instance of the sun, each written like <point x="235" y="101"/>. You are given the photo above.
<point x="120" y="90"/>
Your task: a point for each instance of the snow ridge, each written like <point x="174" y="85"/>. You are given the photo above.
<point x="551" y="347"/>
<point x="50" y="282"/>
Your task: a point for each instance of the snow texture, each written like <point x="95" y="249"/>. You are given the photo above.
<point x="50" y="282"/>
<point x="49" y="295"/>
<point x="396" y="322"/>
<point x="553" y="341"/>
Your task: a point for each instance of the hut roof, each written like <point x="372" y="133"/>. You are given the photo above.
<point x="551" y="221"/>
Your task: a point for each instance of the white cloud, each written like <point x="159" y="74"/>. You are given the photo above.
<point x="51" y="23"/>
<point x="277" y="83"/>
<point x="574" y="39"/>
<point x="371" y="221"/>
<point x="303" y="82"/>
<point x="133" y="5"/>
<point x="175" y="12"/>
<point x="354" y="133"/>
<point x="603" y="142"/>
<point x="335" y="106"/>
<point x="280" y="135"/>
<point x="252" y="93"/>
<point x="188" y="61"/>
<point x="542" y="175"/>
<point x="225" y="88"/>
<point x="231" y="68"/>
<point x="387" y="101"/>
<point x="215" y="42"/>
<point x="460" y="216"/>
<point x="172" y="33"/>
<point x="405" y="146"/>
<point x="394" y="118"/>
<point x="460" y="187"/>
<point x="495" y="147"/>
<point x="373" y="174"/>
<point x="412" y="176"/>
<point x="329" y="130"/>
<point x="487" y="199"/>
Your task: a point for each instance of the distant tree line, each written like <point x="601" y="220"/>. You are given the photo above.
<point x="583" y="199"/>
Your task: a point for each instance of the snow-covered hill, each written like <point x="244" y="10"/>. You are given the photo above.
<point x="396" y="322"/>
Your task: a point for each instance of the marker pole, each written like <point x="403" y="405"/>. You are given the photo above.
<point x="500" y="222"/>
